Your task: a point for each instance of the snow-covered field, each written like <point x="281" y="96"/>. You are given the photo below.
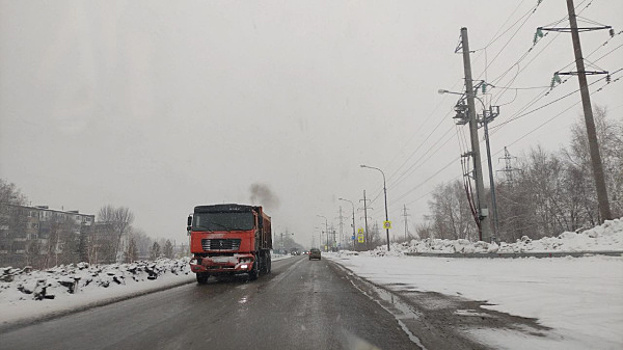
<point x="26" y="295"/>
<point x="580" y="298"/>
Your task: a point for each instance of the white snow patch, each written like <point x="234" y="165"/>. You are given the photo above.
<point x="580" y="298"/>
<point x="606" y="237"/>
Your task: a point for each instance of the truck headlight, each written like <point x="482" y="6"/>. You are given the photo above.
<point x="244" y="266"/>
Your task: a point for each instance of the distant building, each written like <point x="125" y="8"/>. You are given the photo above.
<point x="38" y="235"/>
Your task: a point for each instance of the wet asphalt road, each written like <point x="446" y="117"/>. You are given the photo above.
<point x="301" y="305"/>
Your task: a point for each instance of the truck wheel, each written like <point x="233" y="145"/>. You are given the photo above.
<point x="263" y="263"/>
<point x="269" y="263"/>
<point x="202" y="277"/>
<point x="255" y="271"/>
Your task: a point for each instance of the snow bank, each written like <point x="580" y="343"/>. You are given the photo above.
<point x="27" y="294"/>
<point x="63" y="281"/>
<point x="606" y="237"/>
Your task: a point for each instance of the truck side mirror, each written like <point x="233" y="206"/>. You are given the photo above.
<point x="189" y="223"/>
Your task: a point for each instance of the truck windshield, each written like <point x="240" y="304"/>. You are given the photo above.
<point x="222" y="221"/>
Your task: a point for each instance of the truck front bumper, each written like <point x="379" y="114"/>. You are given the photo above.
<point x="238" y="263"/>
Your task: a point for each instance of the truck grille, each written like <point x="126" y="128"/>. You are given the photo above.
<point x="220" y="244"/>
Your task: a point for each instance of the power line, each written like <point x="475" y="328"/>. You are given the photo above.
<point x="518" y="114"/>
<point x="531" y="48"/>
<point x="428" y="179"/>
<point x="415" y="134"/>
<point x="411" y="170"/>
<point x="552" y="102"/>
<point x="499" y="151"/>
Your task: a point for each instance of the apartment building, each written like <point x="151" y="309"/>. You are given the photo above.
<point x="33" y="235"/>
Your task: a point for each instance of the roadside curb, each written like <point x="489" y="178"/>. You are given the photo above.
<point x="14" y="324"/>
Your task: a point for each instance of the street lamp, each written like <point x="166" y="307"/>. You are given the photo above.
<point x="326" y="225"/>
<point x="385" y="192"/>
<point x="353" y="205"/>
<point x="485" y="123"/>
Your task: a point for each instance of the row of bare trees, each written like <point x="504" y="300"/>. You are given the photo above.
<point x="549" y="192"/>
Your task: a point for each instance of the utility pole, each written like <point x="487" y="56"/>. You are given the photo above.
<point x="341" y="217"/>
<point x="326" y="225"/>
<point x="353" y="205"/>
<point x="483" y="211"/>
<point x="598" y="170"/>
<point x="487" y="117"/>
<point x="365" y="218"/>
<point x="406" y="225"/>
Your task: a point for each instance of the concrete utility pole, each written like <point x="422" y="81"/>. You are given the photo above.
<point x="598" y="170"/>
<point x="353" y="205"/>
<point x="483" y="211"/>
<point x="365" y="218"/>
<point x="326" y="225"/>
<point x="488" y="116"/>
<point x="341" y="217"/>
<point x="385" y="195"/>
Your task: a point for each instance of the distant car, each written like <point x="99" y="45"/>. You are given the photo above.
<point x="314" y="253"/>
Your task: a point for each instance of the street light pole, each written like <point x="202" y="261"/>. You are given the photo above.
<point x="353" y="205"/>
<point x="385" y="193"/>
<point x="326" y="225"/>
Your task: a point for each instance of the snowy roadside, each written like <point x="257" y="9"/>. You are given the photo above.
<point x="26" y="295"/>
<point x="579" y="298"/>
<point x="606" y="237"/>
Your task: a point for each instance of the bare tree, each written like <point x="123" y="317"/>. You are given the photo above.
<point x="155" y="251"/>
<point x="167" y="249"/>
<point x="115" y="223"/>
<point x="143" y="243"/>
<point x="131" y="253"/>
<point x="610" y="138"/>
<point x="423" y="230"/>
<point x="451" y="217"/>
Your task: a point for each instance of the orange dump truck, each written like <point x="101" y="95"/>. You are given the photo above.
<point x="229" y="239"/>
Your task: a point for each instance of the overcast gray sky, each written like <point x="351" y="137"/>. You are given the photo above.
<point x="160" y="105"/>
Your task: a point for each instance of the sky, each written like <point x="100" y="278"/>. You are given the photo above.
<point x="160" y="106"/>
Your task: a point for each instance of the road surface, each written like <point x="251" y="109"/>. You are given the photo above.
<point x="302" y="304"/>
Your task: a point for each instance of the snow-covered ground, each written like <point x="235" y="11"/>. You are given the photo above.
<point x="26" y="294"/>
<point x="607" y="237"/>
<point x="581" y="299"/>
